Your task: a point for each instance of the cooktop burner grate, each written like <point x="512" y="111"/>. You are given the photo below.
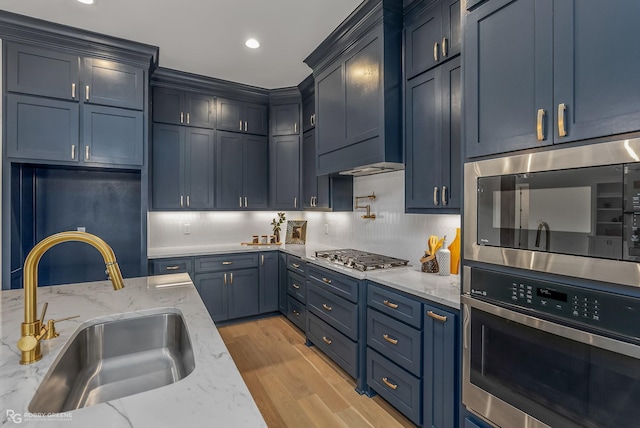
<point x="361" y="260"/>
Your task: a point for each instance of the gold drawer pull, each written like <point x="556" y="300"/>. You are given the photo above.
<point x="172" y="267"/>
<point x="296" y="313"/>
<point x="296" y="286"/>
<point x="227" y="263"/>
<point x="327" y="341"/>
<point x="390" y="339"/>
<point x="389" y="304"/>
<point x="389" y="384"/>
<point x="326" y="281"/>
<point x="436" y="316"/>
<point x="326" y="307"/>
<point x="295" y="265"/>
<point x="540" y="125"/>
<point x="562" y="129"/>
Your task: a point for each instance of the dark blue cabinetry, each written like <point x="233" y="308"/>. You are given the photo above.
<point x="269" y="278"/>
<point x="282" y="283"/>
<point x="238" y="116"/>
<point x="112" y="84"/>
<point x="284" y="159"/>
<point x="184" y="108"/>
<point x="285" y="119"/>
<point x="112" y="136"/>
<point x="294" y="288"/>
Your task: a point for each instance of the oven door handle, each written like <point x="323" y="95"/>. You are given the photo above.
<point x="603" y="342"/>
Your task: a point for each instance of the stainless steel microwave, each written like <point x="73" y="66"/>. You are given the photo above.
<point x="572" y="211"/>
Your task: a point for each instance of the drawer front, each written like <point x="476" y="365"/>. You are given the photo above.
<point x="394" y="304"/>
<point x="226" y="262"/>
<point x="295" y="264"/>
<point x="399" y="342"/>
<point x="336" y="311"/>
<point x="297" y="287"/>
<point x="336" y="283"/>
<point x="296" y="312"/>
<point x="401" y="389"/>
<point x="164" y="266"/>
<point x="333" y="343"/>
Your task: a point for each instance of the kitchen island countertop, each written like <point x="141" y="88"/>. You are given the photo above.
<point x="214" y="393"/>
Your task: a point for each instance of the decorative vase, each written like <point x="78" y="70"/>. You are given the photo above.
<point x="277" y="233"/>
<point x="444" y="259"/>
<point x="455" y="253"/>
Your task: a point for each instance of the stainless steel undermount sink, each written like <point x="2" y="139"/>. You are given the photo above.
<point x="115" y="359"/>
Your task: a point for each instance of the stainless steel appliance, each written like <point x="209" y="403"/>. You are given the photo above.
<point x="360" y="260"/>
<point x="539" y="353"/>
<point x="570" y="211"/>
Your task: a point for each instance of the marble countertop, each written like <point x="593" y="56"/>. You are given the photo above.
<point x="444" y="290"/>
<point x="213" y="393"/>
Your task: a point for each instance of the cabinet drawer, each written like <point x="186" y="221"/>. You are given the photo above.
<point x="399" y="342"/>
<point x="336" y="283"/>
<point x="333" y="343"/>
<point x="393" y="304"/>
<point x="164" y="266"/>
<point x="336" y="311"/>
<point x="226" y="262"/>
<point x="296" y="286"/>
<point x="296" y="313"/>
<point x="398" y="387"/>
<point x="295" y="264"/>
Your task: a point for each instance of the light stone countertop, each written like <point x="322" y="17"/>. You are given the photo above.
<point x="213" y="394"/>
<point x="444" y="290"/>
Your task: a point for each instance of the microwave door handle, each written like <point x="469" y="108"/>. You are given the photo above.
<point x="570" y="333"/>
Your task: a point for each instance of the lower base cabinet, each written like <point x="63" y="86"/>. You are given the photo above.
<point x="229" y="295"/>
<point x="336" y="345"/>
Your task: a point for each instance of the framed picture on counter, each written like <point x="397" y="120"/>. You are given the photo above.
<point x="296" y="232"/>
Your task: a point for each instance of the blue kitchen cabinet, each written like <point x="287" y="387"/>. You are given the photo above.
<point x="441" y="370"/>
<point x="241" y="171"/>
<point x="212" y="288"/>
<point x="182" y="167"/>
<point x="244" y="117"/>
<point x="432" y="37"/>
<point x="433" y="140"/>
<point x="556" y="80"/>
<point x="269" y="280"/>
<point x="308" y="113"/>
<point x="284" y="162"/>
<point x="171" y="265"/>
<point x="114" y="84"/>
<point x="243" y="293"/>
<point x="282" y="283"/>
<point x="184" y="108"/>
<point x="285" y="119"/>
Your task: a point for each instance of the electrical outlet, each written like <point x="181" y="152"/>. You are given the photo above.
<point x="326" y="228"/>
<point x="186" y="228"/>
<point x="81" y="229"/>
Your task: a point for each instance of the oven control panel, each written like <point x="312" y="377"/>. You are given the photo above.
<point x="604" y="310"/>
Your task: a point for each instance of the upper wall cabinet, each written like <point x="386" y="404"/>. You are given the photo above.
<point x="238" y="116"/>
<point x="357" y="72"/>
<point x="548" y="72"/>
<point x="307" y="91"/>
<point x="184" y="108"/>
<point x="285" y="119"/>
<point x="432" y="37"/>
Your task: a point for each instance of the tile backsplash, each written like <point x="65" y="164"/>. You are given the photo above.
<point x="392" y="233"/>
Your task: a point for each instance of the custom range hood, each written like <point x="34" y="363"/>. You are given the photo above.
<point x="375" y="168"/>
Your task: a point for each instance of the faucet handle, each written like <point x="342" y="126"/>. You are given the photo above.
<point x="44" y="311"/>
<point x="51" y="327"/>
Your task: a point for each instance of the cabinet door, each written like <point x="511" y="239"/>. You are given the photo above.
<point x="243" y="293"/>
<point x="168" y="106"/>
<point x="595" y="55"/>
<point x="112" y="136"/>
<point x="112" y="84"/>
<point x="330" y="104"/>
<point x="167" y="182"/>
<point x="200" y="110"/>
<point x="423" y="40"/>
<point x="42" y="129"/>
<point x="229" y="147"/>
<point x="255" y="172"/>
<point x="44" y="72"/>
<point x="451" y="145"/>
<point x="282" y="282"/>
<point x="269" y="278"/>
<point x="451" y="29"/>
<point x="508" y="75"/>
<point x="213" y="289"/>
<point x="285" y="172"/>
<point x="256" y="120"/>
<point x="199" y="168"/>
<point x="309" y="178"/>
<point x="229" y="114"/>
<point x="440" y="404"/>
<point x="285" y="119"/>
<point x="308" y="114"/>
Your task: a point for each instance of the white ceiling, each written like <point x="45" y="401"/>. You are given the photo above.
<point x="207" y="37"/>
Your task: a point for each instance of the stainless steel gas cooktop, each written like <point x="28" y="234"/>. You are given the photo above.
<point x="360" y="260"/>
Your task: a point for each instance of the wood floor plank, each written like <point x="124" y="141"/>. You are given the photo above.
<point x="298" y="386"/>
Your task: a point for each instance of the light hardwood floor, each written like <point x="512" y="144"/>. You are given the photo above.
<point x="298" y="386"/>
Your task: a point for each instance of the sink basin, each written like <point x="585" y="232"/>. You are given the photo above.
<point x="115" y="359"/>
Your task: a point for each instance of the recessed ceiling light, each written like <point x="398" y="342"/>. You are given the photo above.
<point x="252" y="43"/>
<point x="86" y="1"/>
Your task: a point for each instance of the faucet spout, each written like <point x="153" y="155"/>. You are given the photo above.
<point x="544" y="225"/>
<point x="33" y="329"/>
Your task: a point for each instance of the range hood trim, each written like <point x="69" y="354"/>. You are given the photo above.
<point x="374" y="168"/>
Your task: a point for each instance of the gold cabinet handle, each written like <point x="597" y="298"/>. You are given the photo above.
<point x="540" y="124"/>
<point x="225" y="279"/>
<point x="86" y="93"/>
<point x="296" y="286"/>
<point x="73" y="91"/>
<point x="445" y="47"/>
<point x="436" y="316"/>
<point x="296" y="313"/>
<point x="326" y="281"/>
<point x="327" y="341"/>
<point x="295" y="265"/>
<point x="562" y="129"/>
<point x="295" y="202"/>
<point x="389" y="384"/>
<point x="73" y="151"/>
<point x="187" y="118"/>
<point x="227" y="263"/>
<point x="326" y="307"/>
<point x="262" y="259"/>
<point x="390" y="339"/>
<point x="443" y="195"/>
<point x="181" y="201"/>
<point x="435" y="51"/>
<point x="231" y="278"/>
<point x="389" y="304"/>
<point x="435" y="196"/>
<point x="176" y="267"/>
<point x="87" y="154"/>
